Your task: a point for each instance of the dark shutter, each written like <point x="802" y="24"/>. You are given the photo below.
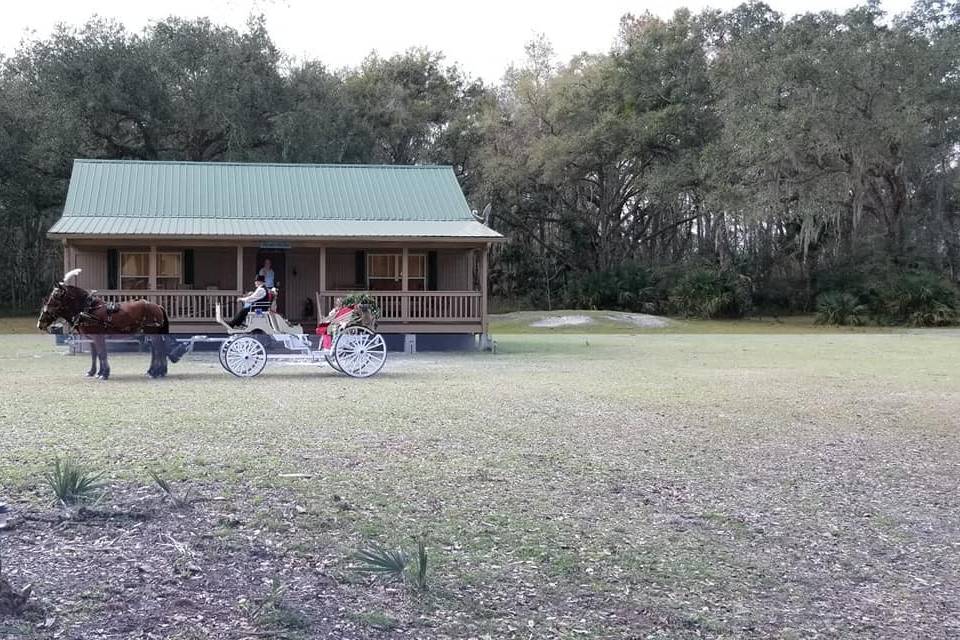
<point x="188" y="266"/>
<point x="432" y="270"/>
<point x="361" y="269"/>
<point x="113" y="268"/>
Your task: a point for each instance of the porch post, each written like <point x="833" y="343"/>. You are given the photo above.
<point x="404" y="285"/>
<point x="153" y="268"/>
<point x="483" y="288"/>
<point x="471" y="269"/>
<point x="323" y="283"/>
<point x="67" y="257"/>
<point x="239" y="269"/>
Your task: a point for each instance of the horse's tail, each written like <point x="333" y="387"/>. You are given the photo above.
<point x="173" y="348"/>
<point x="165" y="325"/>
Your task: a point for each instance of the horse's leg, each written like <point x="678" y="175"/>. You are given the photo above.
<point x="152" y="371"/>
<point x="160" y="346"/>
<point x="93" y="359"/>
<point x="104" y="373"/>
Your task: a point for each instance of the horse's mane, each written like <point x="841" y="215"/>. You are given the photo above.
<point x="73" y="297"/>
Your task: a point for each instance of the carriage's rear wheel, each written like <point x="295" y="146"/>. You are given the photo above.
<point x="359" y="352"/>
<point x="222" y="352"/>
<point x="244" y="356"/>
<point x="332" y="361"/>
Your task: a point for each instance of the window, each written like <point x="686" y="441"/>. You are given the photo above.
<point x="169" y="270"/>
<point x="135" y="269"/>
<point x="384" y="272"/>
<point x="416" y="272"/>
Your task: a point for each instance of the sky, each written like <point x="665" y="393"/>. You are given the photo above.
<point x="483" y="36"/>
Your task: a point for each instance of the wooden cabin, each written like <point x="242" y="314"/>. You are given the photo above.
<point x="190" y="234"/>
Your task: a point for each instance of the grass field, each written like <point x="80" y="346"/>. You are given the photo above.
<point x="568" y="486"/>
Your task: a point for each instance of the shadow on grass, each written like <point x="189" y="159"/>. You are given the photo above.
<point x="126" y="378"/>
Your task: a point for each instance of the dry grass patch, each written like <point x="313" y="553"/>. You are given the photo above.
<point x="662" y="486"/>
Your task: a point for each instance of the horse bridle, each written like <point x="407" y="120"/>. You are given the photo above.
<point x="59" y="309"/>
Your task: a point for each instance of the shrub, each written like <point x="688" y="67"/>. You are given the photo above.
<point x="711" y="293"/>
<point x="629" y="287"/>
<point x="363" y="298"/>
<point x="72" y="484"/>
<point x="840" y="308"/>
<point x="919" y="299"/>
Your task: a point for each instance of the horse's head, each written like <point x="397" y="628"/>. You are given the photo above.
<point x="53" y="307"/>
<point x="59" y="303"/>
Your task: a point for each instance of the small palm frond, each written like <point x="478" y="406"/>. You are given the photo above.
<point x="71" y="484"/>
<point x="178" y="501"/>
<point x="389" y="563"/>
<point x="420" y="577"/>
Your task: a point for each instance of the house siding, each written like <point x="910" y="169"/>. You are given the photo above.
<point x="341" y="270"/>
<point x="250" y="266"/>
<point x="215" y="267"/>
<point x="94" y="265"/>
<point x="453" y="271"/>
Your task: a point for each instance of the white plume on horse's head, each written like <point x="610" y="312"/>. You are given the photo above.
<point x="70" y="275"/>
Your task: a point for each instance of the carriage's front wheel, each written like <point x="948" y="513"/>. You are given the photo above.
<point x="359" y="352"/>
<point x="244" y="356"/>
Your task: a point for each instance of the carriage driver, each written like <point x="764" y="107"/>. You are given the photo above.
<point x="259" y="293"/>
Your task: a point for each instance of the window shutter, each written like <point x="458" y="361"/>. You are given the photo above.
<point x="188" y="266"/>
<point x="432" y="270"/>
<point x="361" y="269"/>
<point x="113" y="268"/>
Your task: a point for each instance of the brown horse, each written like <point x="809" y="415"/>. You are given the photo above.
<point x="92" y="317"/>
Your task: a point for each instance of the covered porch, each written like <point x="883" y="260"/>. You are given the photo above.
<point x="420" y="286"/>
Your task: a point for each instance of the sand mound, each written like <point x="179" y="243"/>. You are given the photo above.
<point x="562" y="321"/>
<point x="643" y="320"/>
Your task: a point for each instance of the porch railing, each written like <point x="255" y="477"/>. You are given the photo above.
<point x="395" y="306"/>
<point x="181" y="306"/>
<point x="416" y="306"/>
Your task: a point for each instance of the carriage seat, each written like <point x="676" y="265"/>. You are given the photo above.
<point x="267" y="304"/>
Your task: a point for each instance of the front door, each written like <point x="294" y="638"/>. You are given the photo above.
<point x="278" y="263"/>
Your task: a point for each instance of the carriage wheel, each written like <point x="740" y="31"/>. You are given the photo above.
<point x="332" y="361"/>
<point x="245" y="356"/>
<point x="222" y="352"/>
<point x="359" y="352"/>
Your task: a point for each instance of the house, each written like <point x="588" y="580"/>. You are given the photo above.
<point x="188" y="235"/>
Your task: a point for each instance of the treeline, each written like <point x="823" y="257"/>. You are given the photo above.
<point x="708" y="165"/>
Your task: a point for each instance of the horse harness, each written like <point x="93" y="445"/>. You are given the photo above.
<point x="89" y="314"/>
<point x="97" y="313"/>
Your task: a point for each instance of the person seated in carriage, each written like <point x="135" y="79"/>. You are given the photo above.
<point x="338" y="312"/>
<point x="260" y="296"/>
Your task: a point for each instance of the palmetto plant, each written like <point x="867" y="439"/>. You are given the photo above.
<point x="922" y="300"/>
<point x="840" y="309"/>
<point x="395" y="564"/>
<point x="387" y="563"/>
<point x="178" y="501"/>
<point x="71" y="484"/>
<point x="420" y="571"/>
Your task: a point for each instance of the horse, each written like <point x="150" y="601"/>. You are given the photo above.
<point x="92" y="317"/>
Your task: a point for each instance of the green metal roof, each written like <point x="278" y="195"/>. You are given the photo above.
<point x="94" y="226"/>
<point x="122" y="197"/>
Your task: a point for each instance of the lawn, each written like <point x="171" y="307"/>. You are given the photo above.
<point x="662" y="485"/>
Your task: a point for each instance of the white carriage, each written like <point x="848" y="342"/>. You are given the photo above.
<point x="349" y="344"/>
